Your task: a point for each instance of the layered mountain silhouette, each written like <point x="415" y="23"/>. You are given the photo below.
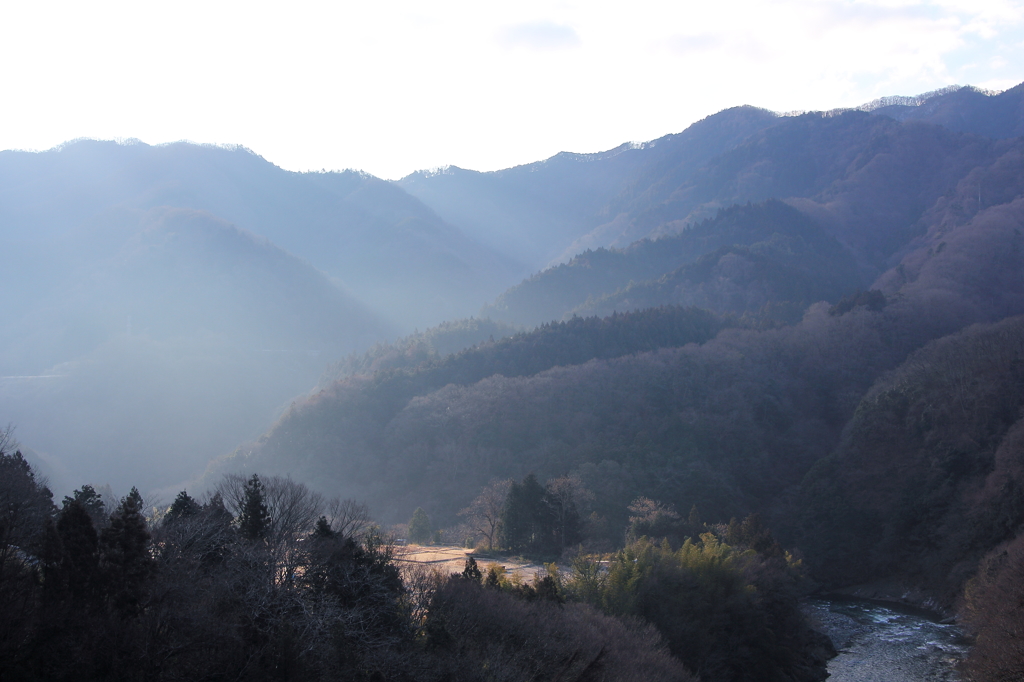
<point x="539" y="211"/>
<point x="762" y="313"/>
<point x="783" y="326"/>
<point x="164" y="303"/>
<point x="170" y="348"/>
<point x="372" y="238"/>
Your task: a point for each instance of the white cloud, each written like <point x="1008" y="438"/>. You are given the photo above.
<point x="542" y="35"/>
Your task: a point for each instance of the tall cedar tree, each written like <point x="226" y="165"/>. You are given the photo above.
<point x="419" y="527"/>
<point x="254" y="519"/>
<point x="93" y="503"/>
<point x="525" y="520"/>
<point x="124" y="554"/>
<point x="183" y="507"/>
<point x="70" y="557"/>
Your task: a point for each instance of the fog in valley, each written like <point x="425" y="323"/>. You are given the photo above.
<point x="689" y="382"/>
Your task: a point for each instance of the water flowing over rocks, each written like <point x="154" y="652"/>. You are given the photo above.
<point x="887" y="642"/>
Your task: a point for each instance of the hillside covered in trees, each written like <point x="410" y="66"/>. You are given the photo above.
<point x="854" y="383"/>
<point x="811" y="322"/>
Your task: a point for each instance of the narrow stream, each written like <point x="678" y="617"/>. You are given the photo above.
<point x="888" y="643"/>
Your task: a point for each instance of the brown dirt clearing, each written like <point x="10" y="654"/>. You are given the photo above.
<point x="452" y="559"/>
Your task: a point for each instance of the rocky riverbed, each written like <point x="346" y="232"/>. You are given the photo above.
<point x="880" y="642"/>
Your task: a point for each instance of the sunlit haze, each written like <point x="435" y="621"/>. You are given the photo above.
<point x="395" y="87"/>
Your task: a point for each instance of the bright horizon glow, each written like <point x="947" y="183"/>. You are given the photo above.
<point x="390" y="88"/>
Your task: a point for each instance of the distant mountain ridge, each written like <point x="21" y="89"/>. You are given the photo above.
<point x="867" y="181"/>
<point x="966" y="109"/>
<point x="548" y="211"/>
<point x="161" y="268"/>
<point x="539" y="210"/>
<point x="608" y="280"/>
<point x="166" y="350"/>
<point x="383" y="245"/>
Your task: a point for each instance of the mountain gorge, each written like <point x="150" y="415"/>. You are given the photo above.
<point x="726" y="318"/>
<point x="776" y="404"/>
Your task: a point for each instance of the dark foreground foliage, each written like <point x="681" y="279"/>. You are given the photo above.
<point x="728" y="612"/>
<point x="265" y="580"/>
<point x="477" y="633"/>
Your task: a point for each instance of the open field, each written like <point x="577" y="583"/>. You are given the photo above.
<point x="452" y="559"/>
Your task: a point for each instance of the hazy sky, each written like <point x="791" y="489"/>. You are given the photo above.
<point x="391" y="87"/>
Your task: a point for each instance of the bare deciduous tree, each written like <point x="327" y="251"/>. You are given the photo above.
<point x="483" y="515"/>
<point x="348" y="518"/>
<point x="293" y="507"/>
<point x="569" y="497"/>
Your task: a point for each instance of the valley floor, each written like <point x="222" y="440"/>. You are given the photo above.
<point x="452" y="559"/>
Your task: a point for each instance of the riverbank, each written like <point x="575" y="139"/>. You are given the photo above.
<point x="893" y="591"/>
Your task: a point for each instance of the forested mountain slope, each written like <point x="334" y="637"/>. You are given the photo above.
<point x="726" y="425"/>
<point x="928" y="475"/>
<point x="872" y="185"/>
<point x="967" y="110"/>
<point x="800" y="256"/>
<point x="555" y="209"/>
<point x="383" y="245"/>
<point x="163" y="303"/>
<point x="537" y="211"/>
<point x="868" y="179"/>
<point x="177" y="273"/>
<point x="735" y="423"/>
<point x="181" y="342"/>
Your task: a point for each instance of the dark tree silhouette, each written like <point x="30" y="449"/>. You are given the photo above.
<point x="254" y="519"/>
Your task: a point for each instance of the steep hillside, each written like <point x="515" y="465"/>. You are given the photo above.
<point x="726" y="425"/>
<point x="967" y="110"/>
<point x="386" y="247"/>
<point x="868" y="179"/>
<point x="928" y="476"/>
<point x="798" y="263"/>
<point x="536" y="211"/>
<point x="774" y="281"/>
<point x="553" y="210"/>
<point x="143" y="365"/>
<point x="870" y="184"/>
<point x="348" y="420"/>
<point x="732" y="425"/>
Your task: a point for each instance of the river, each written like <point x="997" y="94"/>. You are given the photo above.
<point x="880" y="642"/>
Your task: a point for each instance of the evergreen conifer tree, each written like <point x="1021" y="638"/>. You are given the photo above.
<point x="70" y="556"/>
<point x="419" y="527"/>
<point x="124" y="554"/>
<point x="183" y="507"/>
<point x="93" y="503"/>
<point x="472" y="572"/>
<point x="215" y="511"/>
<point x="254" y="519"/>
<point x="322" y="530"/>
<point x="526" y="522"/>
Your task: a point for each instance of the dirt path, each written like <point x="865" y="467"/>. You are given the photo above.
<point x="452" y="559"/>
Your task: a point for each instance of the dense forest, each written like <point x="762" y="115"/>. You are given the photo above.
<point x="767" y="357"/>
